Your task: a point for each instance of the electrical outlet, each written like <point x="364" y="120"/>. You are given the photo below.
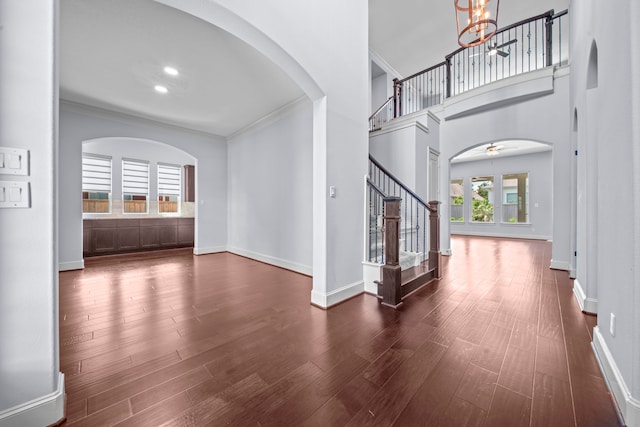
<point x="612" y="325"/>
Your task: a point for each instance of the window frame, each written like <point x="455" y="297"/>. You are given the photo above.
<point x="167" y="187"/>
<point x="503" y="198"/>
<point x="96" y="187"/>
<point x="473" y="205"/>
<point x="457" y="220"/>
<point x="134" y="180"/>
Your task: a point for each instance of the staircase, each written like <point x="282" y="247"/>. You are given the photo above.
<point x="410" y="245"/>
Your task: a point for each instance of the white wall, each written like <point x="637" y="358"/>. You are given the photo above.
<point x="80" y="123"/>
<point x="379" y="89"/>
<point x="609" y="174"/>
<point x="533" y="106"/>
<point x="29" y="353"/>
<point x="323" y="46"/>
<point x="539" y="166"/>
<point x="402" y="148"/>
<point x="271" y="190"/>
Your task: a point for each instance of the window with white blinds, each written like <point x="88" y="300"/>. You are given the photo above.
<point x="169" y="188"/>
<point x="135" y="186"/>
<point x="96" y="183"/>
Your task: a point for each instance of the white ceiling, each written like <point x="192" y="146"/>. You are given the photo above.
<point x="112" y="54"/>
<point x="504" y="148"/>
<point x="411" y="35"/>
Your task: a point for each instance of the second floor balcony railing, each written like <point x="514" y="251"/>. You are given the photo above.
<point x="528" y="45"/>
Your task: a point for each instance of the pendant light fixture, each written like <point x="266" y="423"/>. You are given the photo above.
<point x="477" y="21"/>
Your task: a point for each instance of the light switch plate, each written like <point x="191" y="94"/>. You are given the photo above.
<point x="14" y="161"/>
<point x="15" y="194"/>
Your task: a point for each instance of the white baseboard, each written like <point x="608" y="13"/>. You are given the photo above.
<point x="560" y="265"/>
<point x="43" y="411"/>
<point x="629" y="406"/>
<point x="588" y="305"/>
<point x="335" y="297"/>
<point x="214" y="250"/>
<point x="71" y="265"/>
<point x="370" y="273"/>
<point x="278" y="262"/>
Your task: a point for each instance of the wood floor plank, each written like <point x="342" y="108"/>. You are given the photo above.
<point x="163" y="391"/>
<point x="308" y="400"/>
<point x="159" y="413"/>
<point x="551" y="358"/>
<point x="390" y="400"/>
<point x="492" y="349"/>
<point x="552" y="403"/>
<point x="440" y="386"/>
<point x="105" y="417"/>
<point x="517" y="371"/>
<point x="477" y="386"/>
<point x="590" y="407"/>
<point x="460" y="413"/>
<point x="508" y="408"/>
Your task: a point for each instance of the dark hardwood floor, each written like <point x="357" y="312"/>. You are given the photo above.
<point x="183" y="340"/>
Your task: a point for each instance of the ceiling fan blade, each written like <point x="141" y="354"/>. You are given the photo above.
<point x="505" y="44"/>
<point x="503" y="54"/>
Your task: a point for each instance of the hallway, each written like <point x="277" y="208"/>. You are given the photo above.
<point x="220" y="339"/>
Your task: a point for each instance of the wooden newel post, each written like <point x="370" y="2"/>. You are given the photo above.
<point x="434" y="239"/>
<point x="397" y="98"/>
<point x="391" y="270"/>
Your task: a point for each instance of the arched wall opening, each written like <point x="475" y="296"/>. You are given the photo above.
<point x="152" y="152"/>
<point x="339" y="104"/>
<point x="519" y="119"/>
<point x="502" y="188"/>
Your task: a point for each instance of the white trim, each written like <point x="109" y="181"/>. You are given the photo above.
<point x="505" y="235"/>
<point x="370" y="273"/>
<point x="560" y="265"/>
<point x="588" y="305"/>
<point x="128" y="117"/>
<point x="71" y="265"/>
<point x="382" y="63"/>
<point x="270" y="118"/>
<point x="43" y="411"/>
<point x="445" y="252"/>
<point x="339" y="295"/>
<point x="214" y="250"/>
<point x="501" y="93"/>
<point x="403" y="122"/>
<point x="320" y="195"/>
<point x="629" y="406"/>
<point x="268" y="259"/>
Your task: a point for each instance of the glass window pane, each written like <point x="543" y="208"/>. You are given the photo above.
<point x="169" y="188"/>
<point x="456" y="193"/>
<point x="483" y="199"/>
<point x="96" y="183"/>
<point x="515" y="198"/>
<point x="135" y="186"/>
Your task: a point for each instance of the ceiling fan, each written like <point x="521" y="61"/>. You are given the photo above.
<point x="494" y="48"/>
<point x="493" y="150"/>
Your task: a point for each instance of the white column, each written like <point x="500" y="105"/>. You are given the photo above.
<point x="31" y="386"/>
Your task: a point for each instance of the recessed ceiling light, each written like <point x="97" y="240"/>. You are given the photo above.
<point x="160" y="89"/>
<point x="171" y="71"/>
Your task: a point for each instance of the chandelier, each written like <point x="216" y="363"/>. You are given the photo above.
<point x="477" y="21"/>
